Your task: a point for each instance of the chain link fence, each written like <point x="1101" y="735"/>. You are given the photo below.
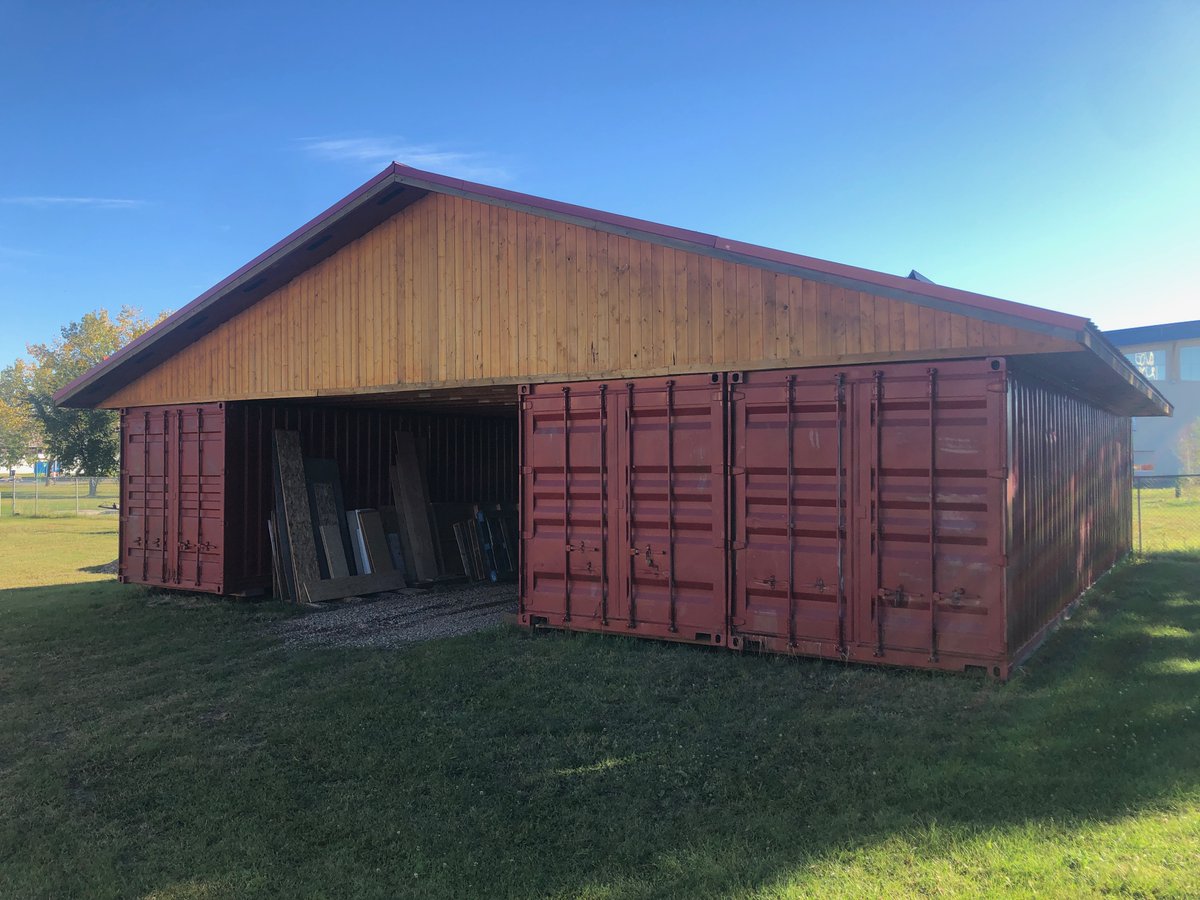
<point x="25" y="495"/>
<point x="1166" y="514"/>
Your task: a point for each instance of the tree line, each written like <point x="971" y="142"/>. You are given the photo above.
<point x="85" y="442"/>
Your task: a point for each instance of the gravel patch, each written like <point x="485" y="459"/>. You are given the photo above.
<point x="397" y="618"/>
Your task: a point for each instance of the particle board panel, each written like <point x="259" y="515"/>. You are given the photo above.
<point x="296" y="512"/>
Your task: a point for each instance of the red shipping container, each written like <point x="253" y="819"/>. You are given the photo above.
<point x="623" y="507"/>
<point x="894" y="514"/>
<point x="172" y="525"/>
<point x="868" y="512"/>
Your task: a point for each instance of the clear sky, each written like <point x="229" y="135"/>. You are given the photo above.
<point x="1043" y="152"/>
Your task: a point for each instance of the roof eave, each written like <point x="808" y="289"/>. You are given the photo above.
<point x="75" y="393"/>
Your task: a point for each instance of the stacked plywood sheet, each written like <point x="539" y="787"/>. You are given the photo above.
<point x="321" y="551"/>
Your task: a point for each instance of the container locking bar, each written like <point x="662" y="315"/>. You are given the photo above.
<point x="671" y="504"/>
<point x="566" y="471"/>
<point x="603" y="504"/>
<point x="840" y="398"/>
<point x="933" y="655"/>
<point x="791" y="525"/>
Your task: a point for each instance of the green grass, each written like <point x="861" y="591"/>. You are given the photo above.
<point x="1168" y="523"/>
<point x="56" y="499"/>
<point x="151" y="747"/>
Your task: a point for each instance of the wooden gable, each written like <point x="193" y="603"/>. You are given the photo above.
<point x="453" y="291"/>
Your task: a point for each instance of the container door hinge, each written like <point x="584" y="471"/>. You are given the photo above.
<point x="526" y="470"/>
<point x="1001" y="472"/>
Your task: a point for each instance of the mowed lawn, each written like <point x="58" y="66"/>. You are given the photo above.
<point x="165" y="748"/>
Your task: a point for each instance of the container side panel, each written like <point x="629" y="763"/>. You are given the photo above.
<point x="623" y="507"/>
<point x="172" y="496"/>
<point x="932" y="544"/>
<point x="565" y="543"/>
<point x="789" y="494"/>
<point x="671" y="508"/>
<point x="1069" y="502"/>
<point x="867" y="508"/>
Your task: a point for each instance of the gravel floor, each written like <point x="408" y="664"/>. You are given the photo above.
<point x="401" y="617"/>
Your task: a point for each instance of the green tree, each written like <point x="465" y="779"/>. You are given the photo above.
<point x="84" y="441"/>
<point x="18" y="429"/>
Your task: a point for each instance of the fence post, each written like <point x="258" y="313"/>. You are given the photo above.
<point x="1138" y="482"/>
<point x="35" y="492"/>
<point x="76" y="493"/>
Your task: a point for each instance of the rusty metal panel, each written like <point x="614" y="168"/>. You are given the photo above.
<point x="173" y="494"/>
<point x="1069" y="514"/>
<point x="623" y="507"/>
<point x="789" y="495"/>
<point x="931" y="541"/>
<point x="569" y="539"/>
<point x="143" y="558"/>
<point x="867" y="512"/>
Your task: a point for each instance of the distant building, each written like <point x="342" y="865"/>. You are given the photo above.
<point x="1168" y="355"/>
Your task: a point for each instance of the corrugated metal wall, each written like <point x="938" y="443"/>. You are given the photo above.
<point x="1070" y="489"/>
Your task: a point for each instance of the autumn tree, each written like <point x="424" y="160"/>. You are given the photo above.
<point x="84" y="441"/>
<point x="18" y="429"/>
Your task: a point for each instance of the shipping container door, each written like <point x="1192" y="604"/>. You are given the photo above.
<point x="172" y="496"/>
<point x="199" y="547"/>
<point x="566" y="557"/>
<point x="931" y="479"/>
<point x="144" y="496"/>
<point x="669" y="483"/>
<point x="789" y="494"/>
<point x="623" y="504"/>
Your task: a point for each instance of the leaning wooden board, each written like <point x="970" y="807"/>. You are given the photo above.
<point x="414" y="504"/>
<point x="335" y="553"/>
<point x="375" y="540"/>
<point x="297" y="515"/>
<point x="354" y="586"/>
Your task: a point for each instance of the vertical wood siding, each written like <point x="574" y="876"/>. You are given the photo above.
<point x="453" y="291"/>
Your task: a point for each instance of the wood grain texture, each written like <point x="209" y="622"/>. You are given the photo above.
<point x="454" y="292"/>
<point x="413" y="505"/>
<point x="354" y="586"/>
<point x="297" y="515"/>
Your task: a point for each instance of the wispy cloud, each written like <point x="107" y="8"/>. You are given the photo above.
<point x="95" y="202"/>
<point x="375" y="153"/>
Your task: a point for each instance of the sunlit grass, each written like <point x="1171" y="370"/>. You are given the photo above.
<point x="1167" y="522"/>
<point x="162" y="749"/>
<point x="65" y="496"/>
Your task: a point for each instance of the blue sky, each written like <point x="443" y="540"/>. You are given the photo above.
<point x="1042" y="152"/>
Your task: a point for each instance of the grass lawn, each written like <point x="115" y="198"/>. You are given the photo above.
<point x="150" y="747"/>
<point x="63" y="497"/>
<point x="1168" y="522"/>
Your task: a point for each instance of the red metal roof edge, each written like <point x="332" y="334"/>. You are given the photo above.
<point x="442" y="183"/>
